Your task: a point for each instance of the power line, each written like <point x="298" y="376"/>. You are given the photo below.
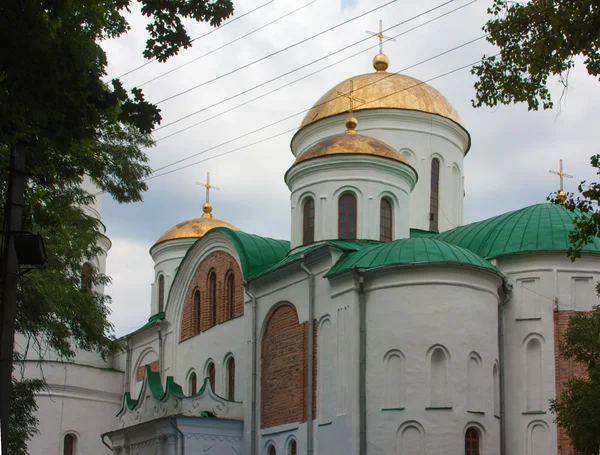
<point x="304" y="66"/>
<point x="275" y="53"/>
<point x="201" y="36"/>
<point x="227" y="44"/>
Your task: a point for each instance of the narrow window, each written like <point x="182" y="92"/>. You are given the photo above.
<point x="347" y="216"/>
<point x="438" y="394"/>
<point x="534" y="375"/>
<point x="434" y="197"/>
<point x="231" y="379"/>
<point x="271" y="450"/>
<point x="212" y="283"/>
<point x="86" y="277"/>
<point x="308" y="221"/>
<point x="161" y="293"/>
<point x="293" y="449"/>
<point x="193" y="384"/>
<point x="230" y="296"/>
<point x="472" y="442"/>
<point x="196" y="312"/>
<point x="69" y="445"/>
<point x="211" y="375"/>
<point x="385" y="220"/>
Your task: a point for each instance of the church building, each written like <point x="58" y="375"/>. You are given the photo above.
<point x="384" y="325"/>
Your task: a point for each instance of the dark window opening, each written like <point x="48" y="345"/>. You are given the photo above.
<point x="308" y="221"/>
<point x="385" y="221"/>
<point x="434" y="198"/>
<point x="347" y="216"/>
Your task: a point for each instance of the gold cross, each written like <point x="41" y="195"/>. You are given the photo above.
<point x="381" y="36"/>
<point x="561" y="174"/>
<point x="351" y="97"/>
<point x="208" y="186"/>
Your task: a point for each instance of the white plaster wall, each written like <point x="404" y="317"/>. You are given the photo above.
<point x="81" y="400"/>
<point x="144" y="349"/>
<point x="95" y="208"/>
<point x="370" y="178"/>
<point x="410" y="311"/>
<point x="553" y="275"/>
<point x="420" y="137"/>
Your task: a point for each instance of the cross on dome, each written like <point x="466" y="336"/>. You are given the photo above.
<point x="351" y="122"/>
<point x="381" y="61"/>
<point x="207" y="207"/>
<point x="561" y="196"/>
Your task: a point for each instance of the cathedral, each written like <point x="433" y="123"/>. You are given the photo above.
<point x="384" y="325"/>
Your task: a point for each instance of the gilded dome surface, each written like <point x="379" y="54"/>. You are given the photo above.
<point x="382" y="90"/>
<point x="195" y="228"/>
<point x="347" y="144"/>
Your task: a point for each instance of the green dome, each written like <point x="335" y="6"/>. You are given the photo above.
<point x="541" y="227"/>
<point x="412" y="251"/>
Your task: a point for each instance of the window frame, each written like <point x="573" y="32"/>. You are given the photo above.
<point x="73" y="439"/>
<point x="383" y="235"/>
<point x="230" y="282"/>
<point x="470" y="450"/>
<point x="193" y="383"/>
<point x="292" y="447"/>
<point x="308" y="220"/>
<point x="211" y="374"/>
<point x="434" y="194"/>
<point x="212" y="294"/>
<point x="230" y="373"/>
<point x="271" y="449"/>
<point x="161" y="293"/>
<point x="347" y="228"/>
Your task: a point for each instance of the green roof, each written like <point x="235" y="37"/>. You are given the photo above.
<point x="412" y="251"/>
<point x="540" y="227"/>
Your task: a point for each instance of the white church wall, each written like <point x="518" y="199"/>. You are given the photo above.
<point x="81" y="400"/>
<point x="370" y="178"/>
<point x="144" y="350"/>
<point x="420" y="137"/>
<point x="437" y="318"/>
<point x="540" y="282"/>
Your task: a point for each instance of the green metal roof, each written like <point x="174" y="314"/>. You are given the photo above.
<point x="540" y="227"/>
<point x="412" y="251"/>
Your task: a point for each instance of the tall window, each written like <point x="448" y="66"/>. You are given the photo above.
<point x="271" y="450"/>
<point x="69" y="445"/>
<point x="472" y="442"/>
<point x="230" y="296"/>
<point x="212" y="289"/>
<point x="293" y="448"/>
<point x="197" y="311"/>
<point x="86" y="277"/>
<point x="434" y="198"/>
<point x="347" y="216"/>
<point x="210" y="372"/>
<point x="308" y="221"/>
<point x="385" y="220"/>
<point x="193" y="384"/>
<point x="161" y="293"/>
<point x="231" y="379"/>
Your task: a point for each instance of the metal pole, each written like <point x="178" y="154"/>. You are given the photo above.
<point x="13" y="220"/>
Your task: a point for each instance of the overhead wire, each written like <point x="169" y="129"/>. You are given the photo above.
<point x="227" y="44"/>
<point x="304" y="66"/>
<point x="201" y="36"/>
<point x="176" y="95"/>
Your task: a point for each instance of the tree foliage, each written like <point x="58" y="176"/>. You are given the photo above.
<point x="537" y="39"/>
<point x="577" y="408"/>
<point x="54" y="101"/>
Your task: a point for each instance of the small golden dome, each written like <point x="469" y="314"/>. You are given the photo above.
<point x="351" y="144"/>
<point x="351" y="124"/>
<point x="207" y="209"/>
<point x="381" y="62"/>
<point x="382" y="90"/>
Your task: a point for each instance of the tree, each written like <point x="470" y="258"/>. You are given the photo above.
<point x="53" y="97"/>
<point x="577" y="407"/>
<point x="537" y="40"/>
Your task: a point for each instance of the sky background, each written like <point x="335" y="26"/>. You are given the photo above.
<point x="506" y="168"/>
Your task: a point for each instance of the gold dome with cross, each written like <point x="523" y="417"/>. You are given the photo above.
<point x="197" y="227"/>
<point x="383" y="90"/>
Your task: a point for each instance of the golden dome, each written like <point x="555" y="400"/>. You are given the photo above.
<point x="351" y="144"/>
<point x="196" y="227"/>
<point x="382" y="90"/>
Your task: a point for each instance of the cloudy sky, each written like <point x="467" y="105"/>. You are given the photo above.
<point x="507" y="167"/>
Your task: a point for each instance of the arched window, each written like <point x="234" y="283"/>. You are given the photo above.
<point x="197" y="312"/>
<point x="438" y="379"/>
<point x="385" y="220"/>
<point x="472" y="442"/>
<point x="69" y="444"/>
<point x="161" y="293"/>
<point x="271" y="450"/>
<point x="230" y="296"/>
<point x="308" y="221"/>
<point x="231" y="379"/>
<point x="86" y="277"/>
<point x="434" y="197"/>
<point x="292" y="448"/>
<point x="212" y="289"/>
<point x="347" y="216"/>
<point x="193" y="384"/>
<point x="210" y="373"/>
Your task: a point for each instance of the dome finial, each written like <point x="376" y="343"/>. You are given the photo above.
<point x="351" y="122"/>
<point x="381" y="61"/>
<point x="207" y="207"/>
<point x="561" y="196"/>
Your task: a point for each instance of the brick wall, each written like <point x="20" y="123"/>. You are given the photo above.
<point x="222" y="264"/>
<point x="141" y="371"/>
<point x="284" y="366"/>
<point x="564" y="370"/>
